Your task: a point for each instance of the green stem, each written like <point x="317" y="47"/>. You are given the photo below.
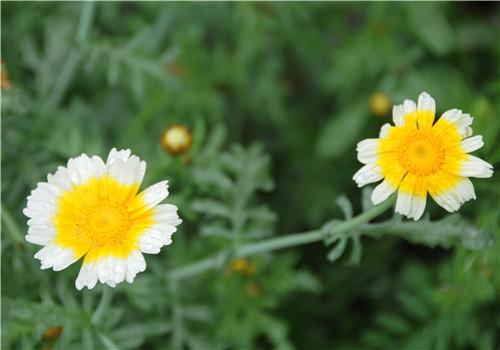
<point x="106" y="297"/>
<point x="287" y="241"/>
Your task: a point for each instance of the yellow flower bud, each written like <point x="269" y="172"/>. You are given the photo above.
<point x="380" y="104"/>
<point x="176" y="139"/>
<point x="242" y="266"/>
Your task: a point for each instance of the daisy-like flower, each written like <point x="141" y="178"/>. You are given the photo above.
<point x="417" y="156"/>
<point x="91" y="209"/>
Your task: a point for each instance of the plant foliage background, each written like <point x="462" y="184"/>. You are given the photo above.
<point x="276" y="96"/>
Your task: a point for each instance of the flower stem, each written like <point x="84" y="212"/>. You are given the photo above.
<point x="106" y="297"/>
<point x="287" y="241"/>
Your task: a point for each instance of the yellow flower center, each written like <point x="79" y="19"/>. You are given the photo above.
<point x="101" y="218"/>
<point x="106" y="223"/>
<point x="421" y="153"/>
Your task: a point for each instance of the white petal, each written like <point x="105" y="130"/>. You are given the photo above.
<point x="87" y="276"/>
<point x="135" y="264"/>
<point x="42" y="202"/>
<point x="399" y="112"/>
<point x="160" y="234"/>
<point x="417" y="207"/>
<point x="41" y="208"/>
<point x="127" y="172"/>
<point x="61" y="179"/>
<point x="467" y="132"/>
<point x="122" y="155"/>
<point x="382" y="192"/>
<point x="104" y="269"/>
<point x="452" y="199"/>
<point x="460" y="120"/>
<point x="56" y="257"/>
<point x="426" y="102"/>
<point x="472" y="144"/>
<point x="384" y="130"/>
<point x="153" y="239"/>
<point x="410" y="205"/>
<point x="368" y="151"/>
<point x="403" y="203"/>
<point x="40" y="233"/>
<point x="473" y="166"/>
<point x="82" y="168"/>
<point x="398" y="115"/>
<point x="368" y="174"/>
<point x="154" y="194"/>
<point x="409" y="106"/>
<point x="110" y="270"/>
<point x="166" y="214"/>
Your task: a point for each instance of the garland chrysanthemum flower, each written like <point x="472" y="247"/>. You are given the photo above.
<point x="90" y="209"/>
<point x="418" y="156"/>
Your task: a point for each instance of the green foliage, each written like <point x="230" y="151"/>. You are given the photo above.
<point x="276" y="96"/>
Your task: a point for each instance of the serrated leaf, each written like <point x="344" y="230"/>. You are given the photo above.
<point x="214" y="230"/>
<point x="211" y="207"/>
<point x="446" y="232"/>
<point x="213" y="177"/>
<point x="261" y="213"/>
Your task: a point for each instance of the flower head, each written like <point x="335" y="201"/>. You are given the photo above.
<point x="417" y="156"/>
<point x="91" y="209"/>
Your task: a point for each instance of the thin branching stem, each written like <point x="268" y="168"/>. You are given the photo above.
<point x="287" y="241"/>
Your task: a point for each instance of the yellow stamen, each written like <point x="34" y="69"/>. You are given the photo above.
<point x="421" y="153"/>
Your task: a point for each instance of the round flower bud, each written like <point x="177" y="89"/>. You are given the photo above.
<point x="380" y="104"/>
<point x="176" y="139"/>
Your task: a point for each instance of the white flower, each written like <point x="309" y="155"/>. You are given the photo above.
<point x="417" y="156"/>
<point x="91" y="209"/>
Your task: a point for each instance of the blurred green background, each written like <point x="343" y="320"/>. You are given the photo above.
<point x="276" y="96"/>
